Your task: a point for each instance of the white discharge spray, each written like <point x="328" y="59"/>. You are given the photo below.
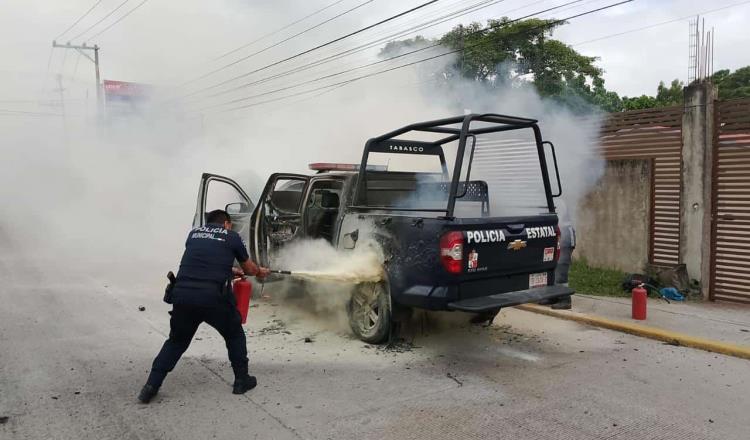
<point x="317" y="260"/>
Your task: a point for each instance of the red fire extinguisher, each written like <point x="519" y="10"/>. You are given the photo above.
<point x="243" y="291"/>
<point x="640" y="299"/>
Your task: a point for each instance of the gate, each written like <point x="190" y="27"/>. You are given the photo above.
<point x="730" y="196"/>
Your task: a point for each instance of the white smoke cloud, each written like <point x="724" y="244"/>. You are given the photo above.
<point x="120" y="195"/>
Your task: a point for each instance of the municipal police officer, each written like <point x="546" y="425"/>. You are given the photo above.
<point x="200" y="294"/>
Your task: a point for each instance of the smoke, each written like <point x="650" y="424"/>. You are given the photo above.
<point x="318" y="260"/>
<point x="115" y="195"/>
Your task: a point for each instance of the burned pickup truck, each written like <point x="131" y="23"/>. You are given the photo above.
<point x="463" y="208"/>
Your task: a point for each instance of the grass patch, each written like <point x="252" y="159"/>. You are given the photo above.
<point x="595" y="281"/>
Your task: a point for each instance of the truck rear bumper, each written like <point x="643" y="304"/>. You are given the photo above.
<point x="509" y="299"/>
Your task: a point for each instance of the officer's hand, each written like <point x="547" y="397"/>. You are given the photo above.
<point x="262" y="272"/>
<point x="237" y="272"/>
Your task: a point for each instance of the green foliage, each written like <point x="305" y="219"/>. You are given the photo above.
<point x="523" y="52"/>
<point x="733" y="85"/>
<point x="596" y="281"/>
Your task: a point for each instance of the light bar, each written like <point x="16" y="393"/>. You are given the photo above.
<point x="331" y="166"/>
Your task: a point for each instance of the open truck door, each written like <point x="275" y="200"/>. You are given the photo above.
<point x="219" y="192"/>
<point x="278" y="216"/>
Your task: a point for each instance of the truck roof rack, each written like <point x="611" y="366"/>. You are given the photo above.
<point x="448" y="126"/>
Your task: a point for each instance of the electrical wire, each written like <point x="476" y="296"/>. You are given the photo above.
<point x="247" y="57"/>
<point x="349" y="81"/>
<point x="434" y="45"/>
<point x="85" y="14"/>
<point x="320" y="46"/>
<point x="101" y="20"/>
<point x="371" y="44"/>
<point x="469" y="9"/>
<point x="281" y="29"/>
<point x="581" y="43"/>
<point x="116" y="21"/>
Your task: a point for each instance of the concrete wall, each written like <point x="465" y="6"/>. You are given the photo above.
<point x="612" y="224"/>
<point x="697" y="162"/>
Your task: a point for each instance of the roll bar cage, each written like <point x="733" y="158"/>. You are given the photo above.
<point x="449" y="126"/>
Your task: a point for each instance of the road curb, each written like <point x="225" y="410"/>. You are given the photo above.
<point x="675" y="338"/>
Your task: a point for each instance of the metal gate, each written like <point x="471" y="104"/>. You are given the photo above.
<point x="654" y="134"/>
<point x="730" y="226"/>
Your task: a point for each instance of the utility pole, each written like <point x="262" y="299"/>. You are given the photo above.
<point x="81" y="48"/>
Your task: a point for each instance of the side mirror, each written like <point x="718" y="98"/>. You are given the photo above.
<point x="349" y="241"/>
<point x="237" y="208"/>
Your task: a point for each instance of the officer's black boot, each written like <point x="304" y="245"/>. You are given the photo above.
<point x="147" y="393"/>
<point x="243" y="384"/>
<point x="563" y="303"/>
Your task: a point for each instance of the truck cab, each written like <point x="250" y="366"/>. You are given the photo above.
<point x="462" y="207"/>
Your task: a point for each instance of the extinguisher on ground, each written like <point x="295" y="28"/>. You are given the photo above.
<point x="243" y="291"/>
<point x="640" y="300"/>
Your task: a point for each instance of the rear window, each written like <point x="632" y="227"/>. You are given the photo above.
<point x="508" y="162"/>
<point x="500" y="176"/>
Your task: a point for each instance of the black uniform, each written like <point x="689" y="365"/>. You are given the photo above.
<point x="199" y="295"/>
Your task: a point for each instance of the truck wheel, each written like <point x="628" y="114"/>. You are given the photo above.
<point x="370" y="313"/>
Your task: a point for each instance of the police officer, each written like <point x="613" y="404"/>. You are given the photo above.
<point x="200" y="294"/>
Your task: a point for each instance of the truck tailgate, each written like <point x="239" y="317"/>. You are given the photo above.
<point x="510" y="247"/>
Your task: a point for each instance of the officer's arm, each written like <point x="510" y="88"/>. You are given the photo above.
<point x="250" y="268"/>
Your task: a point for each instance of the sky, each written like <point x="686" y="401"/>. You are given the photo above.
<point x="169" y="42"/>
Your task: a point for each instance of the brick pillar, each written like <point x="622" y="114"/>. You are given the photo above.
<point x="695" y="194"/>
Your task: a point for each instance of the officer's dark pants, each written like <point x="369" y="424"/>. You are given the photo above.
<point x="183" y="324"/>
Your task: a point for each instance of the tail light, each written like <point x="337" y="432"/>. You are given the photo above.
<point x="452" y="251"/>
<point x="557" y="249"/>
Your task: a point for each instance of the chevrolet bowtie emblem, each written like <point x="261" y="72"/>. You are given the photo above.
<point x="517" y="245"/>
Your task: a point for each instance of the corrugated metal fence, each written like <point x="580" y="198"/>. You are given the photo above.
<point x="654" y="134"/>
<point x="730" y="228"/>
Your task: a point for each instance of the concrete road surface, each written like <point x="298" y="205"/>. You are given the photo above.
<point x="74" y="351"/>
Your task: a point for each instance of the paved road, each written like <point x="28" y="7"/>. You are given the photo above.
<point x="74" y="350"/>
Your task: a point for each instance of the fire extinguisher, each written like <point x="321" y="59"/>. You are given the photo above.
<point x="243" y="291"/>
<point x="640" y="300"/>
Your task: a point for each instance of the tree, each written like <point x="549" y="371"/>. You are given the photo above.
<point x="733" y="85"/>
<point x="505" y="52"/>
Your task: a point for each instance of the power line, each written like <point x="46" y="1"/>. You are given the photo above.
<point x="580" y="43"/>
<point x="320" y="46"/>
<point x="116" y="21"/>
<point x="366" y="2"/>
<point x="7" y="112"/>
<point x="434" y="45"/>
<point x="79" y="19"/>
<point x="281" y="29"/>
<point x="371" y="44"/>
<point x="101" y="20"/>
<point x="348" y="81"/>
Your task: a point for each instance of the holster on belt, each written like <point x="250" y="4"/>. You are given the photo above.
<point x="228" y="292"/>
<point x="170" y="287"/>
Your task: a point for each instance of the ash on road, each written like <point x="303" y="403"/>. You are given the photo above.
<point x="73" y="354"/>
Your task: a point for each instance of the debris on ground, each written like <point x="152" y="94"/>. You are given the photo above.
<point x="400" y="345"/>
<point x="450" y="376"/>
<point x="3" y="420"/>
<point x="141" y="308"/>
<point x="276" y="326"/>
<point x="308" y="340"/>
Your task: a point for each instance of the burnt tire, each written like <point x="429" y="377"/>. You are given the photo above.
<point x="370" y="313"/>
